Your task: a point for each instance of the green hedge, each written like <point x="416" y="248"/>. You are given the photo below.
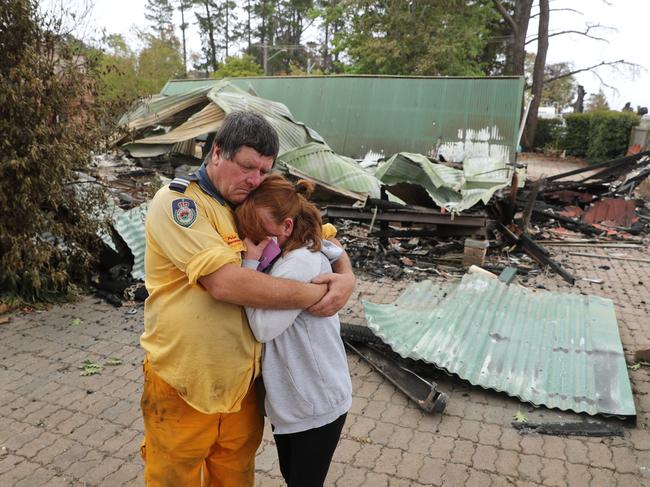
<point x="598" y="136"/>
<point x="549" y="133"/>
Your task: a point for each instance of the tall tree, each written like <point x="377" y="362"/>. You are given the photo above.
<point x="517" y="14"/>
<point x="331" y="13"/>
<point x="418" y="37"/>
<point x="538" y="74"/>
<point x="160" y="14"/>
<point x="158" y="62"/>
<point x="207" y="22"/>
<point x="229" y="31"/>
<point x="559" y="85"/>
<point x="597" y="101"/>
<point x="183" y="7"/>
<point x="119" y="84"/>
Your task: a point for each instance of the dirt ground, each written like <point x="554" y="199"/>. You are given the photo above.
<point x="58" y="428"/>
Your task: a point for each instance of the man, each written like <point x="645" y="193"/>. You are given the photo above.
<point x="200" y="403"/>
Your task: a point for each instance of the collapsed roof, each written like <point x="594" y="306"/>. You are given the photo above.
<point x="454" y="119"/>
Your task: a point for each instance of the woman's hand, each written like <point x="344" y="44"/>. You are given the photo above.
<point x="254" y="252"/>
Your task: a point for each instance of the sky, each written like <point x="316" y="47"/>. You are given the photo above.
<point x="627" y="39"/>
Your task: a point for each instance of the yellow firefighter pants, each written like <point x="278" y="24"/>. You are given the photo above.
<point x="181" y="442"/>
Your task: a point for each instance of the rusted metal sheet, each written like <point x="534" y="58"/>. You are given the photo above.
<point x="559" y="350"/>
<point x="612" y="211"/>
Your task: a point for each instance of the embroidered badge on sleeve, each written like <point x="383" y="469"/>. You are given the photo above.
<point x="184" y="212"/>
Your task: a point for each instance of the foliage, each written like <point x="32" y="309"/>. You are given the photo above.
<point x="48" y="126"/>
<point x="238" y="67"/>
<point x="549" y="133"/>
<point x="415" y="38"/>
<point x="520" y="417"/>
<point x="558" y="93"/>
<point x="609" y="134"/>
<point x="88" y="367"/>
<point x="596" y="102"/>
<point x="158" y="62"/>
<point x="638" y="365"/>
<point x="576" y="136"/>
<point x="598" y="135"/>
<point x="160" y="14"/>
<point x="119" y="84"/>
<point x="76" y="322"/>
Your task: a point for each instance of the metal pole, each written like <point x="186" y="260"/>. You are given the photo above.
<point x="265" y="57"/>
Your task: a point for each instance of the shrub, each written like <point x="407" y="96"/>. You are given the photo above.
<point x="609" y="134"/>
<point x="576" y="135"/>
<point x="598" y="135"/>
<point x="47" y="129"/>
<point x="549" y="133"/>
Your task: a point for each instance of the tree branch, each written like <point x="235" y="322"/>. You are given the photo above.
<point x="559" y="10"/>
<point x="590" y="68"/>
<point x="585" y="33"/>
<point x="507" y="17"/>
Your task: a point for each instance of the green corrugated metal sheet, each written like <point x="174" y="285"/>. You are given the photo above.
<point x="320" y="162"/>
<point x="159" y="109"/>
<point x="460" y="118"/>
<point x="560" y="350"/>
<point x="450" y="188"/>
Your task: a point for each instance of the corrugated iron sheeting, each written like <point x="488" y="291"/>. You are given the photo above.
<point x="457" y="117"/>
<point x="555" y="349"/>
<point x="160" y="109"/>
<point x="130" y="226"/>
<point x="319" y="161"/>
<point x="614" y="210"/>
<point x="448" y="187"/>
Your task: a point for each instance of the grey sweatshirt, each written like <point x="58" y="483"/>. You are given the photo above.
<point x="304" y="366"/>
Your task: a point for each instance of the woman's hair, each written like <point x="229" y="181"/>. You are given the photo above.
<point x="283" y="200"/>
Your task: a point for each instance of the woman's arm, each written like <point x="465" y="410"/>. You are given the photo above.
<point x="300" y="265"/>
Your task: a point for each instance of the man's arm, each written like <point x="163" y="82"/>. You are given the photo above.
<point x="246" y="287"/>
<point x="340" y="286"/>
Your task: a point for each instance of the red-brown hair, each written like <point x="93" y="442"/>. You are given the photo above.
<point x="283" y="200"/>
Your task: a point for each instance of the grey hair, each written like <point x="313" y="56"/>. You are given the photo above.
<point x="247" y="129"/>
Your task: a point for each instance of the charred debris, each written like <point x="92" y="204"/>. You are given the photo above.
<point x="410" y="236"/>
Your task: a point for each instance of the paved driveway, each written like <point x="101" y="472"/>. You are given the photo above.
<point x="58" y="428"/>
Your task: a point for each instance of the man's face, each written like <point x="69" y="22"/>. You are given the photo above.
<point x="235" y="178"/>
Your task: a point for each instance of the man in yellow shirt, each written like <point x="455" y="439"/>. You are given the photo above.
<point x="200" y="402"/>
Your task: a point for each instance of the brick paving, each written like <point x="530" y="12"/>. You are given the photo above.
<point x="58" y="428"/>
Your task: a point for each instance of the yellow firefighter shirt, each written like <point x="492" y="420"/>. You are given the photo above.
<point x="201" y="347"/>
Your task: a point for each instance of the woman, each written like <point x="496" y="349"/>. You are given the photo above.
<point x="304" y="365"/>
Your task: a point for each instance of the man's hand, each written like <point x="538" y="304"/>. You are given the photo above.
<point x="339" y="290"/>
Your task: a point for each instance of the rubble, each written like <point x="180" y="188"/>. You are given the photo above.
<point x="413" y="217"/>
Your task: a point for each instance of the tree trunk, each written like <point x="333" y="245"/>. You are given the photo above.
<point x="227" y="36"/>
<point x="518" y="22"/>
<point x="183" y="28"/>
<point x="538" y="74"/>
<point x="521" y="18"/>
<point x="213" y="47"/>
<point x="248" y="25"/>
<point x="579" y="105"/>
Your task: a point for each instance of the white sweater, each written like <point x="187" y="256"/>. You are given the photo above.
<point x="304" y="365"/>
